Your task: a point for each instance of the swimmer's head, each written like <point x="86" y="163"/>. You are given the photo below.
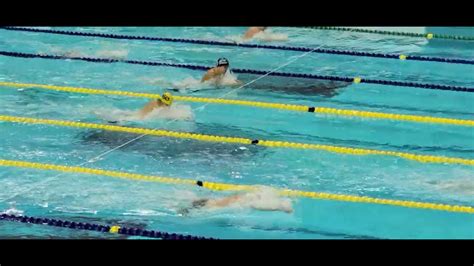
<point x="167" y="98"/>
<point x="223" y="62"/>
<point x="263" y="28"/>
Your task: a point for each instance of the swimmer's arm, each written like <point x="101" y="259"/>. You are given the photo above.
<point x="224" y="202"/>
<point x="250" y="33"/>
<point x="212" y="73"/>
<point x="209" y="75"/>
<point x="148" y="108"/>
<point x="220" y="203"/>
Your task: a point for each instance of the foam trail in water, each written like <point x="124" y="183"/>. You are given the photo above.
<point x="113" y="54"/>
<point x="463" y="186"/>
<point x="269" y="36"/>
<point x="103" y="53"/>
<point x="265" y="198"/>
<point x="13" y="211"/>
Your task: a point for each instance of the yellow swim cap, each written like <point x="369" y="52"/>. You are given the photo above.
<point x="167" y="98"/>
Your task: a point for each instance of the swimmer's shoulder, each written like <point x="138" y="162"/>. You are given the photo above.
<point x="214" y="71"/>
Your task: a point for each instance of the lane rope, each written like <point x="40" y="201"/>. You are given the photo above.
<point x="240" y="140"/>
<point x="113" y="229"/>
<point x="233" y="187"/>
<point x="249" y="71"/>
<point x="288" y="107"/>
<point x="248" y="45"/>
<point x="101" y="155"/>
<point x="396" y="33"/>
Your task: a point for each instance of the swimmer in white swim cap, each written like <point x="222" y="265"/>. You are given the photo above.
<point x="218" y="71"/>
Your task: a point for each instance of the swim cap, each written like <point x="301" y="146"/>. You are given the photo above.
<point x="222" y="62"/>
<point x="167" y="98"/>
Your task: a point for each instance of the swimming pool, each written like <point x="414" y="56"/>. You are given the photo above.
<point x="104" y="199"/>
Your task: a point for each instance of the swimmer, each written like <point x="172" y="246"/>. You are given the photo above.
<point x="113" y="54"/>
<point x="260" y="200"/>
<point x="217" y="73"/>
<point x="252" y="31"/>
<point x="160" y="108"/>
<point x="164" y="101"/>
<point x="460" y="187"/>
<point x="72" y="53"/>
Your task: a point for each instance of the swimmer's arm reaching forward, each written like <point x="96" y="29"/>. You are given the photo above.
<point x="216" y="75"/>
<point x="164" y="101"/>
<point x="218" y="72"/>
<point x="252" y="31"/>
<point x="224" y="202"/>
<point x="148" y="108"/>
<point x="239" y="198"/>
<point x="213" y="73"/>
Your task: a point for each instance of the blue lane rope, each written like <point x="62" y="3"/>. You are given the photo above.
<point x="99" y="228"/>
<point x="249" y="71"/>
<point x="246" y="45"/>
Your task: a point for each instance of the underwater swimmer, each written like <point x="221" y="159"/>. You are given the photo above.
<point x="259" y="200"/>
<point x="252" y="31"/>
<point x="217" y="73"/>
<point x="164" y="101"/>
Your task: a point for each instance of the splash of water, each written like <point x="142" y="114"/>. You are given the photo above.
<point x="175" y="112"/>
<point x="265" y="198"/>
<point x="113" y="54"/>
<point x="104" y="53"/>
<point x="229" y="79"/>
<point x="265" y="36"/>
<point x="464" y="186"/>
<point x="269" y="36"/>
<point x="13" y="211"/>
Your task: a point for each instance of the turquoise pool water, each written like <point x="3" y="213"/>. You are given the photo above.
<point x="148" y="205"/>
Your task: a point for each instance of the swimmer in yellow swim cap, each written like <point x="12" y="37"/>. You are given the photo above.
<point x="165" y="101"/>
